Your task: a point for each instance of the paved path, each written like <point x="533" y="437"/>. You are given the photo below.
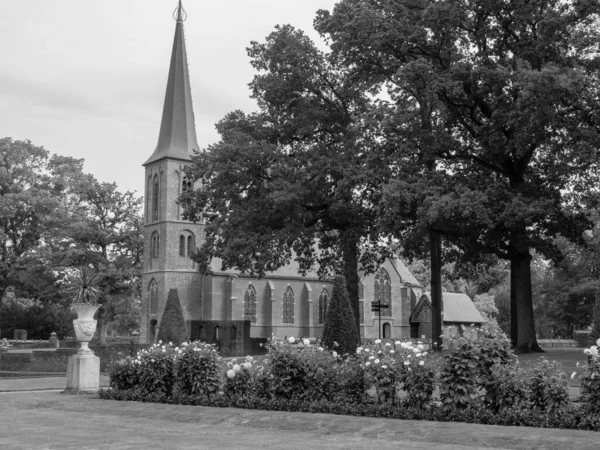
<point x="39" y="383"/>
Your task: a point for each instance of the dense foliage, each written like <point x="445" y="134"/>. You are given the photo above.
<point x="479" y="382"/>
<point x="172" y="324"/>
<point x="339" y="332"/>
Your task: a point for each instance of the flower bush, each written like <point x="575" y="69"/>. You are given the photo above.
<point x="479" y="381"/>
<point x="590" y="383"/>
<point x="198" y="369"/>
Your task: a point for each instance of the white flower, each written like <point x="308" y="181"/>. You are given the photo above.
<point x="371" y="357"/>
<point x="153" y="360"/>
<point x="170" y="343"/>
<point x="291" y="340"/>
<point x="164" y="350"/>
<point x="376" y="361"/>
<point x="237" y="367"/>
<point x="421" y="363"/>
<point x="573" y="375"/>
<point x="179" y="352"/>
<point x="306" y="342"/>
<point x="392" y="352"/>
<point x="359" y="350"/>
<point x="378" y="341"/>
<point x="247" y="365"/>
<point x="407" y="363"/>
<point x="418" y="355"/>
<point x="334" y="354"/>
<point x="139" y="357"/>
<point x="387" y="344"/>
<point x="184" y="344"/>
<point x="416" y="350"/>
<point x="230" y="373"/>
<point x="384" y="367"/>
<point x="367" y="350"/>
<point x="587" y="351"/>
<point x="424" y="354"/>
<point x="420" y="347"/>
<point x="397" y="342"/>
<point x="320" y="349"/>
<point x="160" y="342"/>
<point x="249" y="358"/>
<point x="368" y="363"/>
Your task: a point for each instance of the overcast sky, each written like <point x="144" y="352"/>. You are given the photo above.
<point x="87" y="78"/>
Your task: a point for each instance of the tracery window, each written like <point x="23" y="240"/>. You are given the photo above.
<point x="155" y="244"/>
<point x="190" y="245"/>
<point x="250" y="304"/>
<point x="383" y="291"/>
<point x="155" y="199"/>
<point x="153" y="289"/>
<point x="323" y="305"/>
<point x="182" y="245"/>
<point x="288" y="305"/>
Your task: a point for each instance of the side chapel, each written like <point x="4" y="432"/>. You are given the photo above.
<point x="283" y="302"/>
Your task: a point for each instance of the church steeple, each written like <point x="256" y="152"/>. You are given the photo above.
<point x="177" y="138"/>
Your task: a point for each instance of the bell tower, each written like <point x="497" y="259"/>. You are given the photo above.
<point x="169" y="241"/>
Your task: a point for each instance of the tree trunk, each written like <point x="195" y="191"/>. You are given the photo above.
<point x="521" y="266"/>
<point x="101" y="326"/>
<point x="514" y="324"/>
<point x="435" y="240"/>
<point x="350" y="253"/>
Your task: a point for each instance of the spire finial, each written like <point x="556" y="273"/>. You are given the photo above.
<point x="179" y="14"/>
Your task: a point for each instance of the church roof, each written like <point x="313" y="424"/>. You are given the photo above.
<point x="177" y="137"/>
<point x="457" y="308"/>
<point x="405" y="275"/>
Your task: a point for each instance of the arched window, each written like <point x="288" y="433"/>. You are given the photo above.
<point x="288" y="305"/>
<point x="387" y="331"/>
<point x="154" y="243"/>
<point x="250" y="304"/>
<point x="233" y="333"/>
<point x="153" y="290"/>
<point x="191" y="246"/>
<point x="155" y="199"/>
<point x="148" y="199"/>
<point x="383" y="291"/>
<point x="361" y="301"/>
<point x="182" y="245"/>
<point x="323" y="305"/>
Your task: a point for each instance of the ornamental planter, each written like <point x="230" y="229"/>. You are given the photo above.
<point x="83" y="370"/>
<point x="85" y="324"/>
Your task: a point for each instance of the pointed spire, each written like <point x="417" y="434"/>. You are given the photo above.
<point x="177" y="138"/>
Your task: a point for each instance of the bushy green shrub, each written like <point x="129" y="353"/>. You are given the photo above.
<point x="506" y="388"/>
<point x="458" y="376"/>
<point x="156" y="369"/>
<point x="172" y="325"/>
<point x="548" y="387"/>
<point x="339" y="330"/>
<point x="124" y="374"/>
<point x="198" y="369"/>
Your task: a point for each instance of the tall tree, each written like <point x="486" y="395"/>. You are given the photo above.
<point x="515" y="88"/>
<point x="298" y="178"/>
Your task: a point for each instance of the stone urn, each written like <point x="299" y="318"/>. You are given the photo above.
<point x="85" y="324"/>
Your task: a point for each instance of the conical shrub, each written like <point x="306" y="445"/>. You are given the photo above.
<point x="172" y="326"/>
<point x="340" y="326"/>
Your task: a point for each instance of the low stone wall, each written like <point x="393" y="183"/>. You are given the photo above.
<point x="56" y="361"/>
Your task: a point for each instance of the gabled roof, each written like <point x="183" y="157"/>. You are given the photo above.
<point x="457" y="308"/>
<point x="405" y="275"/>
<point x="177" y="137"/>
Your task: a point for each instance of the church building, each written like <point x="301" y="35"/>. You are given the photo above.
<point x="283" y="303"/>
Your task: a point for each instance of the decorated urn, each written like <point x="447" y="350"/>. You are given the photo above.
<point x="85" y="324"/>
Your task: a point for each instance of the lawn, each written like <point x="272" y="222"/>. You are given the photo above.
<point x="567" y="357"/>
<point x="48" y="420"/>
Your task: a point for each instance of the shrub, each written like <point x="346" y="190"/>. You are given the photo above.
<point x="172" y="325"/>
<point x="198" y="370"/>
<point x="595" y="332"/>
<point x="549" y="387"/>
<point x="458" y="376"/>
<point x="124" y="374"/>
<point x="156" y="369"/>
<point x="339" y="330"/>
<point x="506" y="389"/>
<point x="590" y="383"/>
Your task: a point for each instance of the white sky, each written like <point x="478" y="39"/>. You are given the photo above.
<point x="87" y="78"/>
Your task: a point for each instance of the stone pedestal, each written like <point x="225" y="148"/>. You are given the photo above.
<point x="83" y="372"/>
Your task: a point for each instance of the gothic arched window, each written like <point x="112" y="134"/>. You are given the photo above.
<point x="182" y="245"/>
<point x="153" y="291"/>
<point x="154" y="245"/>
<point x="148" y="199"/>
<point x="190" y="245"/>
<point x="383" y="291"/>
<point x="250" y="304"/>
<point x="155" y="199"/>
<point x="288" y="305"/>
<point x="323" y="305"/>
